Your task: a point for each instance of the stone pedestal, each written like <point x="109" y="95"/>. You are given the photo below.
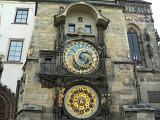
<point x="30" y="111"/>
<point x="138" y="112"/>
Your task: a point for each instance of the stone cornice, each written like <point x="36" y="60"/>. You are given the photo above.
<point x="98" y="2"/>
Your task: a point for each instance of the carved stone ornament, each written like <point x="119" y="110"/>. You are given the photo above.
<point x="80" y="30"/>
<point x="45" y="80"/>
<point x="150" y="50"/>
<point x="60" y="96"/>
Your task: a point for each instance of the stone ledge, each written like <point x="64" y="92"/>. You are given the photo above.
<point x="13" y="62"/>
<point x="146" y="70"/>
<point x="137" y="108"/>
<point x="31" y="107"/>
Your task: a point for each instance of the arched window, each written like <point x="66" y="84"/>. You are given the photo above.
<point x="133" y="40"/>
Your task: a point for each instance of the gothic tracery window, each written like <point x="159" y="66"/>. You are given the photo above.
<point x="133" y="39"/>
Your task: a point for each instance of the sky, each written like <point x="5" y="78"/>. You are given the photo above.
<point x="156" y="13"/>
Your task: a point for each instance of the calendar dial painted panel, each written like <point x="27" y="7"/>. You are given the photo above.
<point x="81" y="101"/>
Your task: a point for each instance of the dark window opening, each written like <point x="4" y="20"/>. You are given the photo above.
<point x="71" y="28"/>
<point x="88" y="29"/>
<point x="157" y="114"/>
<point x="154" y="96"/>
<point x="47" y="66"/>
<point x="134" y="46"/>
<point x="21" y="16"/>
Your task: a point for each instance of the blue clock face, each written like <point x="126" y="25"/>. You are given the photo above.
<point x="80" y="57"/>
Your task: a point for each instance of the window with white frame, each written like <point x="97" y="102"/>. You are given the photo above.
<point x="15" y="50"/>
<point x="21" y="16"/>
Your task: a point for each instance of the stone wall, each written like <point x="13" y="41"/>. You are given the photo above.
<point x="120" y="69"/>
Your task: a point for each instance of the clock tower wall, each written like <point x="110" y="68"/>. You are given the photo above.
<point x="57" y="25"/>
<point x="118" y="69"/>
<point x="45" y="36"/>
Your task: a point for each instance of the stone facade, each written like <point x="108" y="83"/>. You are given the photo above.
<point x="126" y="82"/>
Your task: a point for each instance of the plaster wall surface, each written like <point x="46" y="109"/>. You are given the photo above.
<point x="11" y="31"/>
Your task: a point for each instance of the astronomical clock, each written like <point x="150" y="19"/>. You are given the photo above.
<point x="78" y="66"/>
<point x="80" y="57"/>
<point x="81" y="99"/>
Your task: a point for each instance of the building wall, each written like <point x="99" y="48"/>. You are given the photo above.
<point x="9" y="31"/>
<point x="121" y="76"/>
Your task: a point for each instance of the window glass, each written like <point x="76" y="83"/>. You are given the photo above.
<point x="71" y="28"/>
<point x="15" y="51"/>
<point x="134" y="46"/>
<point x="21" y="16"/>
<point x="88" y="29"/>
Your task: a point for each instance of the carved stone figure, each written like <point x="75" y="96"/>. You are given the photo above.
<point x="150" y="50"/>
<point x="60" y="96"/>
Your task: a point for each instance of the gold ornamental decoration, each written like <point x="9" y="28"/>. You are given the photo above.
<point x="81" y="101"/>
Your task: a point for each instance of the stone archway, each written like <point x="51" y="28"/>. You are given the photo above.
<point x="2" y="109"/>
<point x="7" y="103"/>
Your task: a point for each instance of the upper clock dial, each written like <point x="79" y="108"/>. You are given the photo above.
<point x="81" y="57"/>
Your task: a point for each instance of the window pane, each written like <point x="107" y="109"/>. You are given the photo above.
<point x="138" y="55"/>
<point x="24" y="16"/>
<point x="11" y="58"/>
<point x="21" y="16"/>
<point x="130" y="41"/>
<point x="132" y="54"/>
<point x="12" y="48"/>
<point x="25" y="12"/>
<point x="11" y="53"/>
<point x="18" y="17"/>
<point x="17" y="54"/>
<point x="88" y="29"/>
<point x="136" y="44"/>
<point x="13" y="43"/>
<point x="18" y="49"/>
<point x="15" y="51"/>
<point x="19" y="44"/>
<point x="133" y="41"/>
<point x="17" y="59"/>
<point x="71" y="28"/>
<point x="18" y="20"/>
<point x="19" y="12"/>
<point x="23" y="21"/>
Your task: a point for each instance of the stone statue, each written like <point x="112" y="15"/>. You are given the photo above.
<point x="58" y="103"/>
<point x="80" y="30"/>
<point x="60" y="96"/>
<point x="150" y="50"/>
